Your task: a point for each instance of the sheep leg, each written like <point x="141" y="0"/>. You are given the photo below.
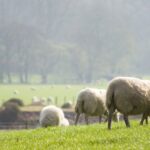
<point x="146" y="120"/>
<point x="110" y="114"/>
<point x="144" y="117"/>
<point x="86" y="119"/>
<point x="106" y="119"/>
<point x="77" y="118"/>
<point x="100" y="119"/>
<point x="106" y="114"/>
<point x="126" y="120"/>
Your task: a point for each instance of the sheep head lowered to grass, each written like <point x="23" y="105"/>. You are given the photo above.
<point x="52" y="116"/>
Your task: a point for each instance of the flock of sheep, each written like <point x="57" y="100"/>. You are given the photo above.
<point x="125" y="95"/>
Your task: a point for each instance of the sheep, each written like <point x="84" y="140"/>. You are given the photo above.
<point x="16" y="92"/>
<point x="116" y="116"/>
<point x="130" y="96"/>
<point x="91" y="102"/>
<point x="43" y="100"/>
<point x="52" y="116"/>
<point x="33" y="89"/>
<point x="68" y="86"/>
<point x="67" y="105"/>
<point x="50" y="100"/>
<point x="36" y="101"/>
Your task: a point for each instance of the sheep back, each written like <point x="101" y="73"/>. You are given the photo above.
<point x="51" y="116"/>
<point x="129" y="95"/>
<point x="90" y="101"/>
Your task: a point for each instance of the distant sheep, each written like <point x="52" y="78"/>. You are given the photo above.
<point x="67" y="105"/>
<point x="43" y="100"/>
<point x="35" y="99"/>
<point x="68" y="86"/>
<point x="50" y="100"/>
<point x="16" y="92"/>
<point x="130" y="96"/>
<point x="91" y="102"/>
<point x="52" y="116"/>
<point x="33" y="88"/>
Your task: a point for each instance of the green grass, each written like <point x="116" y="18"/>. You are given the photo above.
<point x="92" y="137"/>
<point x="61" y="92"/>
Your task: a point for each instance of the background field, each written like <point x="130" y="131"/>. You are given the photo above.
<point x="92" y="137"/>
<point x="60" y="92"/>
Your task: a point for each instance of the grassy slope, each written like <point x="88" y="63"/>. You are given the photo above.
<point x="90" y="137"/>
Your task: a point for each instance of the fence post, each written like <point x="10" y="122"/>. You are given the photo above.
<point x="26" y="124"/>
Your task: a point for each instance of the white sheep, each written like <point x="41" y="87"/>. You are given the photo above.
<point x="35" y="99"/>
<point x="52" y="116"/>
<point x="91" y="102"/>
<point x="130" y="96"/>
<point x="50" y="100"/>
<point x="33" y="88"/>
<point x="68" y="86"/>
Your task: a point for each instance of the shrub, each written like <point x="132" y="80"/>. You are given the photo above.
<point x="16" y="101"/>
<point x="9" y="113"/>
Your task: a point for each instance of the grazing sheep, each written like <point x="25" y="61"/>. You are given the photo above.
<point x="33" y="88"/>
<point x="116" y="116"/>
<point x="36" y="101"/>
<point x="67" y="105"/>
<point x="91" y="102"/>
<point x="16" y="92"/>
<point x="68" y="86"/>
<point x="130" y="96"/>
<point x="50" y="100"/>
<point x="52" y="116"/>
<point x="43" y="100"/>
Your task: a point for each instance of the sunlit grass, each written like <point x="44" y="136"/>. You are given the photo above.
<point x="79" y="138"/>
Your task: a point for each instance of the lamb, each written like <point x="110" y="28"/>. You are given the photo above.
<point x="91" y="102"/>
<point x="130" y="96"/>
<point x="52" y="116"/>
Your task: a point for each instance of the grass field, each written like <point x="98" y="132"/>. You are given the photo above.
<point x="26" y="92"/>
<point x="92" y="137"/>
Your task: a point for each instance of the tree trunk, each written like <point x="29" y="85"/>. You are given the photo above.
<point x="1" y="78"/>
<point x="26" y="73"/>
<point x="44" y="79"/>
<point x="9" y="77"/>
<point x="21" y="77"/>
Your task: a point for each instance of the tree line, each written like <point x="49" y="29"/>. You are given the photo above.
<point x="73" y="41"/>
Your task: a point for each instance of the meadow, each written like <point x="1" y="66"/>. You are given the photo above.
<point x="60" y="92"/>
<point x="92" y="137"/>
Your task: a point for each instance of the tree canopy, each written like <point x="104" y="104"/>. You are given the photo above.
<point x="74" y="41"/>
